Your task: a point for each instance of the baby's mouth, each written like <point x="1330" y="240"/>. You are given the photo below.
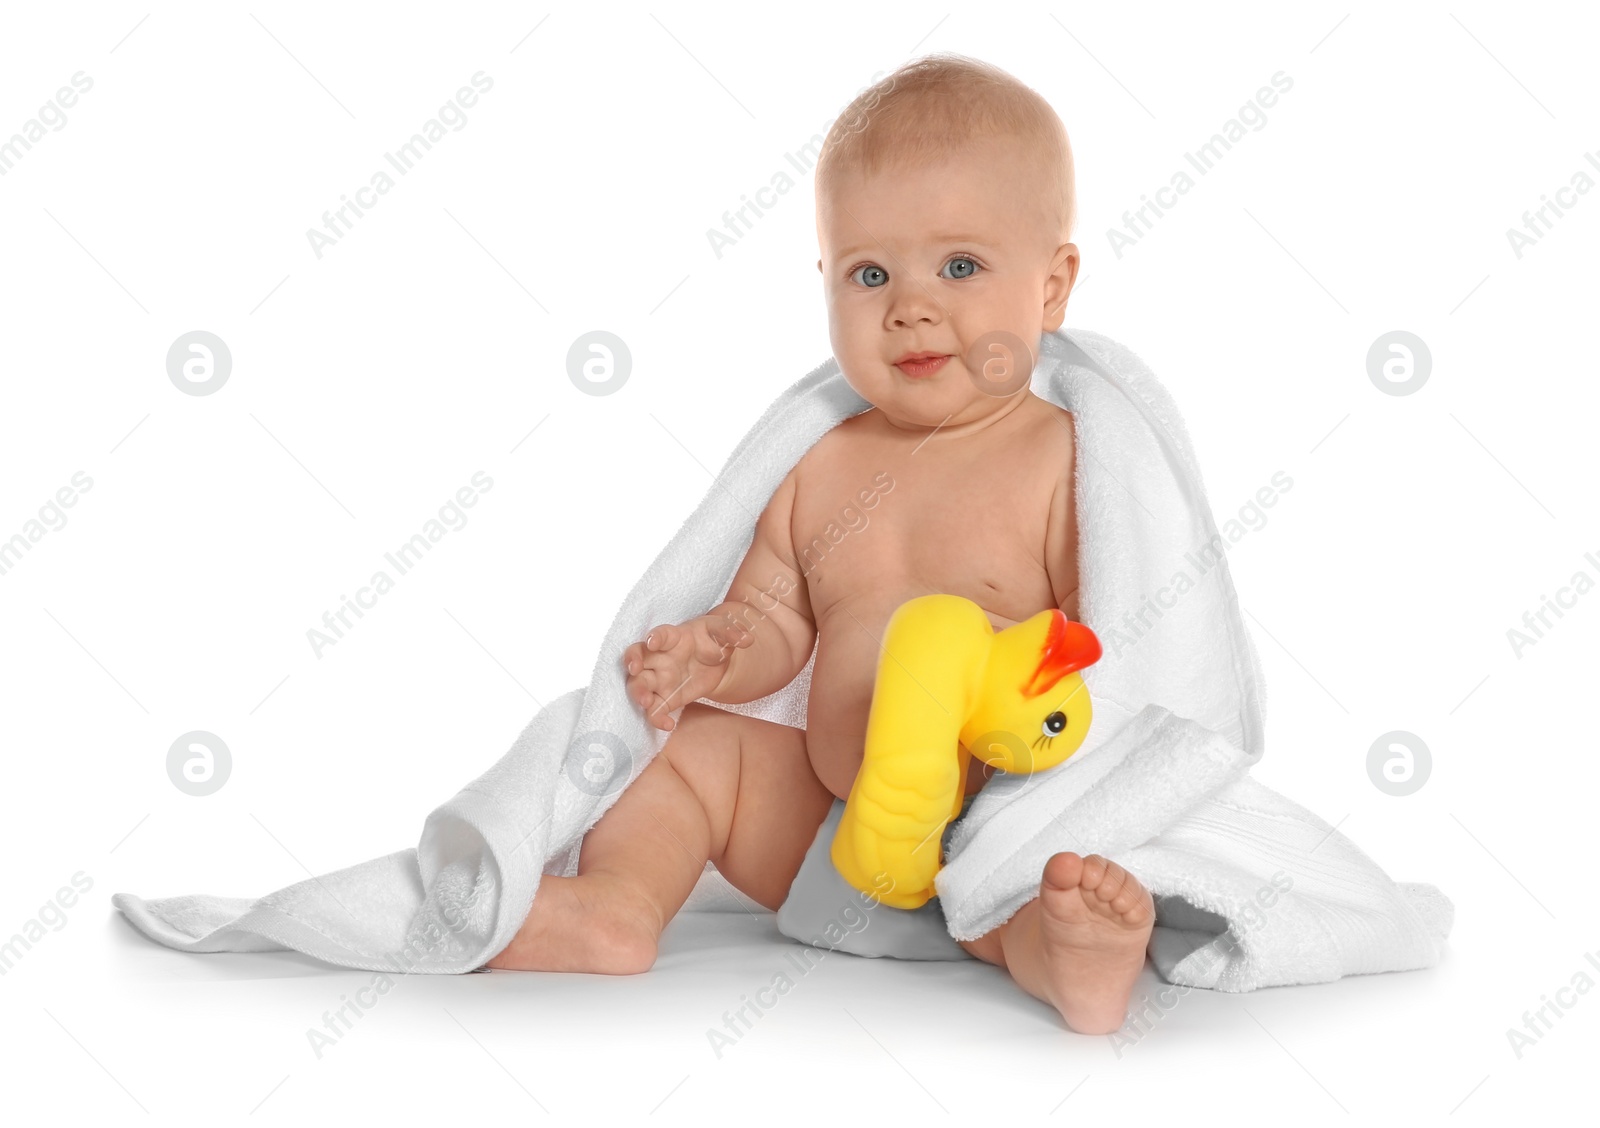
<point x="921" y="365"/>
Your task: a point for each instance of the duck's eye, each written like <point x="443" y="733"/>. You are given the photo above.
<point x="960" y="267"/>
<point x="870" y="276"/>
<point x="1054" y="723"/>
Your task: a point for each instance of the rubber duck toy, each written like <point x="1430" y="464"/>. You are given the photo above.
<point x="949" y="687"/>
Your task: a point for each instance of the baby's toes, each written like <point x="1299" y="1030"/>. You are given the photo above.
<point x="1129" y="902"/>
<point x="1113" y="891"/>
<point x="1101" y="879"/>
<point x="1063" y="870"/>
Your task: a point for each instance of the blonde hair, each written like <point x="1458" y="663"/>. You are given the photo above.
<point x="934" y="106"/>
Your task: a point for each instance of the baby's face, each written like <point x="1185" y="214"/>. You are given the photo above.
<point x="944" y="259"/>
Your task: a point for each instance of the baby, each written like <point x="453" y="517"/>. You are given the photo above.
<point x="945" y="203"/>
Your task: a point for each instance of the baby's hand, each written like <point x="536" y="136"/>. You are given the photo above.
<point x="675" y="665"/>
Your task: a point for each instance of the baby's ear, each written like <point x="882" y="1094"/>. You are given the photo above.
<point x="819" y="266"/>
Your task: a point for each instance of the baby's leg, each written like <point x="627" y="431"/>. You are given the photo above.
<point x="1080" y="944"/>
<point x="737" y="790"/>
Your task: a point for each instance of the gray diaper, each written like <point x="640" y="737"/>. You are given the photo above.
<point x="826" y="911"/>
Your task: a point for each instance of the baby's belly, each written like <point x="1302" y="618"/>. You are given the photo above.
<point x="841" y="692"/>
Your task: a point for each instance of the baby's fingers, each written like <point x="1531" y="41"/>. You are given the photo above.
<point x="652" y="690"/>
<point x="658" y="707"/>
<point x="651" y="682"/>
<point x="634" y="657"/>
<point x="663" y="637"/>
<point x="656" y="711"/>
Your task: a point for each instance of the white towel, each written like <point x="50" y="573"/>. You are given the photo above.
<point x="1158" y="785"/>
<point x="1251" y="889"/>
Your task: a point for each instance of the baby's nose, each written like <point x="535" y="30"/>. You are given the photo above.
<point x="913" y="305"/>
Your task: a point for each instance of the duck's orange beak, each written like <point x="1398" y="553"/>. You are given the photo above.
<point x="1068" y="647"/>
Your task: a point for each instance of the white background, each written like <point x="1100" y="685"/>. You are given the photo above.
<point x="370" y="384"/>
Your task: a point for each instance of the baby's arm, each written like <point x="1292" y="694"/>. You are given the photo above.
<point x="768" y="608"/>
<point x="1061" y="530"/>
<point x="751" y="644"/>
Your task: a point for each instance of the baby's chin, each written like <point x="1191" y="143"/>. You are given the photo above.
<point x="928" y="401"/>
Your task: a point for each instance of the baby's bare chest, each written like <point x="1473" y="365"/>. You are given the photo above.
<point x="876" y="524"/>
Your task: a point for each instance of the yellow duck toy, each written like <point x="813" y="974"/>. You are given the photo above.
<point x="949" y="688"/>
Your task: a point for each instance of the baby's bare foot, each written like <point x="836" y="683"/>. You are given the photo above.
<point x="586" y="923"/>
<point x="1093" y="922"/>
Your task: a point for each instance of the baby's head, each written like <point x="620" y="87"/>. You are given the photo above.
<point x="945" y="207"/>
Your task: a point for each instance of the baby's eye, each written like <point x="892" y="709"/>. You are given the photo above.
<point x="1054" y="723"/>
<point x="960" y="267"/>
<point x="870" y="276"/>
